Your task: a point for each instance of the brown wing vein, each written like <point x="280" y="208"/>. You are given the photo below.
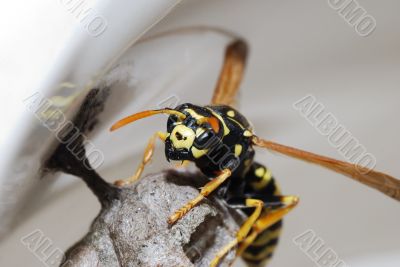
<point x="231" y="74"/>
<point x="378" y="180"/>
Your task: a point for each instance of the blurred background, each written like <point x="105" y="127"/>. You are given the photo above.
<point x="296" y="49"/>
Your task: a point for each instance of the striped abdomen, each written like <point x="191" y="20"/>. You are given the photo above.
<point x="261" y="182"/>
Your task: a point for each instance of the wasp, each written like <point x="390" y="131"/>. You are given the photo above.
<point x="220" y="141"/>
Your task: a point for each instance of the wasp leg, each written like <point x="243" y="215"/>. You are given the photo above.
<point x="244" y="229"/>
<point x="205" y="191"/>
<point x="231" y="74"/>
<point x="148" y="154"/>
<point x="277" y="206"/>
<point x="288" y="202"/>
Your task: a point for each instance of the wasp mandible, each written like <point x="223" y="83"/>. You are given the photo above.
<point x="220" y="141"/>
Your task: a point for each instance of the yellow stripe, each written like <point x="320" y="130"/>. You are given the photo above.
<point x="194" y="114"/>
<point x="263" y="182"/>
<point x="265" y="237"/>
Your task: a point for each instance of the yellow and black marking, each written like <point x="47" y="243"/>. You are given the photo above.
<point x="259" y="252"/>
<point x="219" y="140"/>
<point x="261" y="182"/>
<point x="255" y="179"/>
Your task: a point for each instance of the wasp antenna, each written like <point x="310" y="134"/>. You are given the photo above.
<point x="145" y="114"/>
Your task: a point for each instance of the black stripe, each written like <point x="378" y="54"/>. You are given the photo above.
<point x="269" y="189"/>
<point x="256" y="262"/>
<point x="256" y="250"/>
<point x="270" y="201"/>
<point x="275" y="226"/>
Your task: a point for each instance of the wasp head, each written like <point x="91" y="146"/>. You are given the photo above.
<point x="191" y="130"/>
<point x="189" y="137"/>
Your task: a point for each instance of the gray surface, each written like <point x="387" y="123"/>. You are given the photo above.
<point x="134" y="231"/>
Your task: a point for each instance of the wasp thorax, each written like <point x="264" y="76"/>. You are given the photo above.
<point x="182" y="137"/>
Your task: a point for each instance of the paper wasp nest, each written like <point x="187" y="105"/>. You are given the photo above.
<point x="133" y="230"/>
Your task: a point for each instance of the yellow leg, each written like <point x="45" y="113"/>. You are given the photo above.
<point x="205" y="191"/>
<point x="243" y="231"/>
<point x="266" y="221"/>
<point x="148" y="154"/>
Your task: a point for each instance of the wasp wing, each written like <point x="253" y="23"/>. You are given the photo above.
<point x="231" y="74"/>
<point x="378" y="180"/>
